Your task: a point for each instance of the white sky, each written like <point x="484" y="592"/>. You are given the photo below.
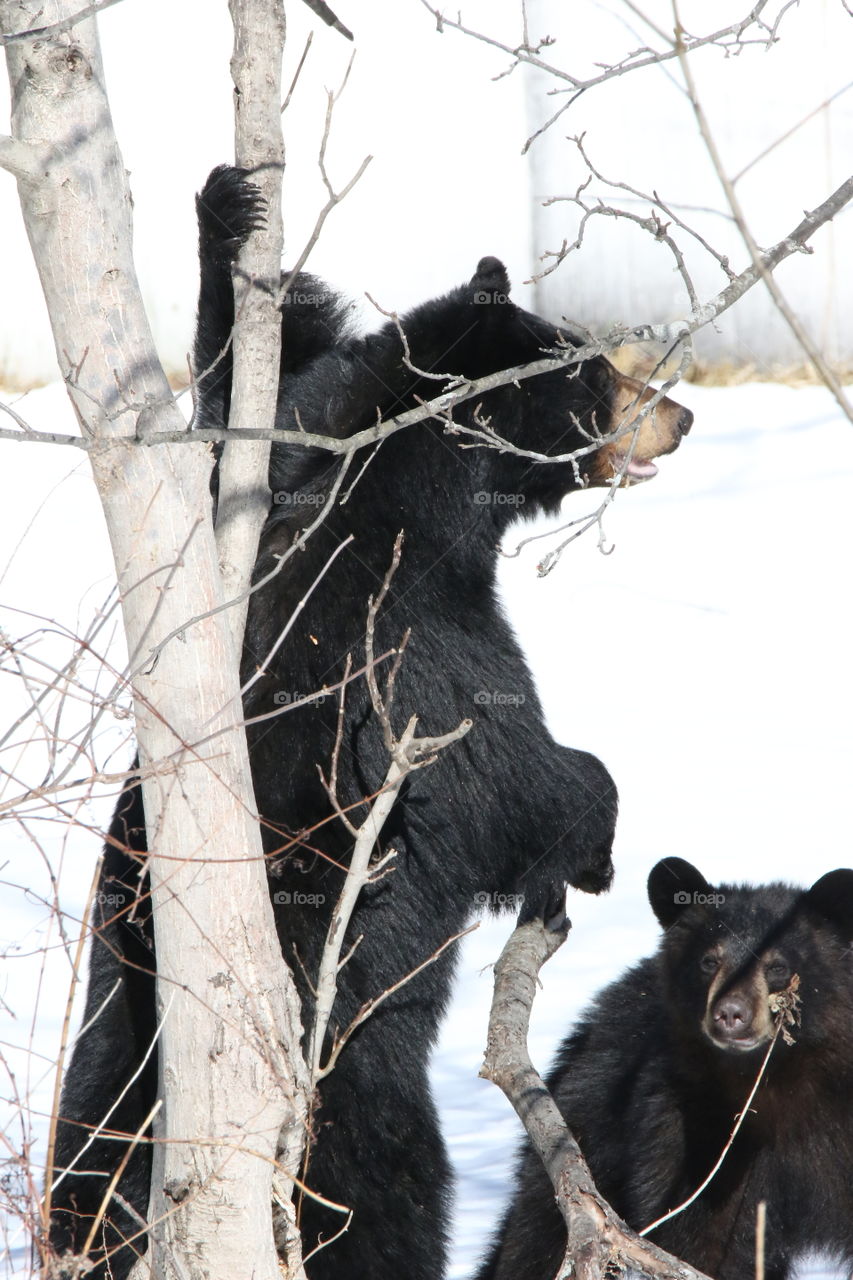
<point x="447" y="183"/>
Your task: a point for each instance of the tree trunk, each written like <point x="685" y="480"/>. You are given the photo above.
<point x="231" y="1068"/>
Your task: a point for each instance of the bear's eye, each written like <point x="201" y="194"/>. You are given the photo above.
<point x="777" y="971"/>
<point x="709" y="963"/>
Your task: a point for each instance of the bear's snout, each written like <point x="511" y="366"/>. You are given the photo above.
<point x="733" y="1018"/>
<point x="640" y="434"/>
<point x="737" y="1017"/>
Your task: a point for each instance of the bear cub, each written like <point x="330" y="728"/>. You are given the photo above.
<point x="507" y="811"/>
<point x="652" y="1079"/>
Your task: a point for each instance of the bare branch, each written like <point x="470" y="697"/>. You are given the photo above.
<point x="323" y="11"/>
<point x="57" y="28"/>
<point x="334" y="197"/>
<point x="598" y="1241"/>
<point x="795" y="242"/>
<point x="78" y="213"/>
<point x="761" y="262"/>
<point x="22" y="159"/>
<point x="785" y="1010"/>
<point x="580" y="525"/>
<point x="783" y="137"/>
<point x="256" y="337"/>
<point x="297" y="73"/>
<point x="652" y="224"/>
<point x="370" y="1006"/>
<point x="407" y="753"/>
<point x="732" y="38"/>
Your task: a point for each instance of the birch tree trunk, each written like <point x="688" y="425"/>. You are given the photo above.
<point x="244" y="499"/>
<point x="231" y="1068"/>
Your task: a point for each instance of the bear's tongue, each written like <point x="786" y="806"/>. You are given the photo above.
<point x="641" y="470"/>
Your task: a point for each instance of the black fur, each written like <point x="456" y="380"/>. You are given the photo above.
<point x="228" y="208"/>
<point x="507" y="811"/>
<point x="652" y="1078"/>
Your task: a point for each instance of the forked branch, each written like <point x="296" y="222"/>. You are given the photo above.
<point x="598" y="1240"/>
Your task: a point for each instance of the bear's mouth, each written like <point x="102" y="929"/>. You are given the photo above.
<point x="641" y="434"/>
<point x="737" y="1044"/>
<point x="639" y="471"/>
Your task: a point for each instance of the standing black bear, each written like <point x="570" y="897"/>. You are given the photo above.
<point x="653" y="1077"/>
<point x="505" y="811"/>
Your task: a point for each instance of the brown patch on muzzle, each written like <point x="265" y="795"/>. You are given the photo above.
<point x="658" y="433"/>
<point x="737" y="1015"/>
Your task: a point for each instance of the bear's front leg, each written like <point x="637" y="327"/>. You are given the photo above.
<point x="566" y="816"/>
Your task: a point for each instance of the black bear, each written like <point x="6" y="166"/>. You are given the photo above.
<point x="654" y="1075"/>
<point x="506" y="811"/>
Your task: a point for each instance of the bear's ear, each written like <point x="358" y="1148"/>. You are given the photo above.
<point x="490" y="282"/>
<point x="832" y="897"/>
<point x="672" y="884"/>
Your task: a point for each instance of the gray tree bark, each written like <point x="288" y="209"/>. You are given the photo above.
<point x="259" y="31"/>
<point x="232" y="1072"/>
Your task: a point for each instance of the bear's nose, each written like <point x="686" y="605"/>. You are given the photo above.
<point x="685" y="421"/>
<point x="733" y="1016"/>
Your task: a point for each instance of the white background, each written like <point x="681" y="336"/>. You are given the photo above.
<point x="707" y="660"/>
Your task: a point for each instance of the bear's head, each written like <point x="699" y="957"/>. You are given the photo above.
<point x="738" y="961"/>
<point x="588" y="409"/>
<point x="493" y="450"/>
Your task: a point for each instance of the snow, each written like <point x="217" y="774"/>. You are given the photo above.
<point x="706" y="660"/>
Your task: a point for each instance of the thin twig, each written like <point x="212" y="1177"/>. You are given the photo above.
<point x="114" y="1180"/>
<point x="370" y="1006"/>
<point x="795" y="242"/>
<point x="407" y="754"/>
<point x="759" y="260"/>
<point x="786" y="1012"/>
<point x="598" y="1242"/>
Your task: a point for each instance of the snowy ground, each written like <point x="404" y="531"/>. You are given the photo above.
<point x="706" y="660"/>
